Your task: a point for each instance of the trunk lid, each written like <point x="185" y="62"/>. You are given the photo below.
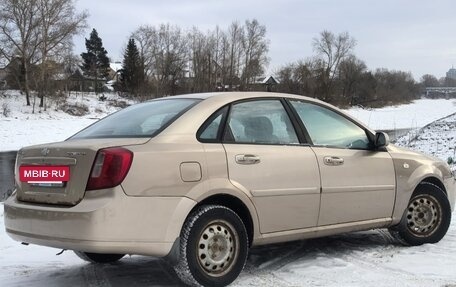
<point x="78" y="155"/>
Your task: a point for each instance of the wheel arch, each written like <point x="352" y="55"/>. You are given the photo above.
<point x="435" y="181"/>
<point x="237" y="205"/>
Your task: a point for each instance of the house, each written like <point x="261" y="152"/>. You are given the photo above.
<point x="114" y="71"/>
<point x="266" y="83"/>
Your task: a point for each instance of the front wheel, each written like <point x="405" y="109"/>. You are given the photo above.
<point x="427" y="217"/>
<point x="98" y="257"/>
<point x="213" y="247"/>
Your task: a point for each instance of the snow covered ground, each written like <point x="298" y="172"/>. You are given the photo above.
<point x="409" y="116"/>
<point x="22" y="127"/>
<point x="362" y="259"/>
<point x="437" y="139"/>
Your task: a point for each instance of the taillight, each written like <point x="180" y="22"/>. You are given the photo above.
<point x="110" y="167"/>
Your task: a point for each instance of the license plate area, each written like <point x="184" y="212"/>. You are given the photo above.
<point x="44" y="176"/>
<point x="48" y="184"/>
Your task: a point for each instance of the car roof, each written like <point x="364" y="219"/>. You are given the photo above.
<point x="234" y="96"/>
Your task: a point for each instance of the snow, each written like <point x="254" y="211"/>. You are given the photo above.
<point x="408" y="116"/>
<point x="437" y="139"/>
<point x="22" y="127"/>
<point x="115" y="66"/>
<point x="369" y="258"/>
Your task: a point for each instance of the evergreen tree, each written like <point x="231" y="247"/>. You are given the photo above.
<point x="95" y="60"/>
<point x="132" y="73"/>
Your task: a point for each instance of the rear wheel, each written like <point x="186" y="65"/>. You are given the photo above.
<point x="213" y="247"/>
<point x="98" y="257"/>
<point x="427" y="217"/>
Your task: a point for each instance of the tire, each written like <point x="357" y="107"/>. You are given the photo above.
<point x="99" y="257"/>
<point x="427" y="217"/>
<point x="213" y="247"/>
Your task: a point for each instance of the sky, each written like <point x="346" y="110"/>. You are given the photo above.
<point x="416" y="36"/>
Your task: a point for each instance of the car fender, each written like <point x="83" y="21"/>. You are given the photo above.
<point x="407" y="183"/>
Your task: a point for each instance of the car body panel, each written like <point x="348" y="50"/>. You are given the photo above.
<point x="106" y="221"/>
<point x="361" y="188"/>
<point x="156" y="170"/>
<point x="77" y="154"/>
<point x="285" y="184"/>
<point x="411" y="169"/>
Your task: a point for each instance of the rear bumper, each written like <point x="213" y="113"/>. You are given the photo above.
<point x="105" y="221"/>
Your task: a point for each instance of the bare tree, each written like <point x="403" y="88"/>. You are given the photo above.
<point x="171" y="59"/>
<point x="351" y="70"/>
<point x="31" y="30"/>
<point x="235" y="40"/>
<point x="256" y="47"/>
<point x="146" y="36"/>
<point x="429" y="81"/>
<point x="203" y="65"/>
<point x="395" y="87"/>
<point x="164" y="52"/>
<point x="19" y="22"/>
<point x="331" y="50"/>
<point x="214" y="60"/>
<point x="298" y="78"/>
<point x="59" y="22"/>
<point x="70" y="63"/>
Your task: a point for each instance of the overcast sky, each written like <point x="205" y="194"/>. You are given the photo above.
<point x="417" y="36"/>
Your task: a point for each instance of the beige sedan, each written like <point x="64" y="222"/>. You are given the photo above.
<point x="200" y="178"/>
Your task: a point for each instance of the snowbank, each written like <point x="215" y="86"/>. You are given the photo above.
<point x="409" y="116"/>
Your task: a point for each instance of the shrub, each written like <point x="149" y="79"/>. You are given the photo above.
<point x="6" y="110"/>
<point x="75" y="109"/>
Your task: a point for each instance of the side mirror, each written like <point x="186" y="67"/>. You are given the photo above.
<point x="381" y="139"/>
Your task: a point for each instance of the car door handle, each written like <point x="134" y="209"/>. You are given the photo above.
<point x="247" y="159"/>
<point x="333" y="160"/>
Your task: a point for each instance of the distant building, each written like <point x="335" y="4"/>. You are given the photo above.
<point x="267" y="84"/>
<point x="114" y="70"/>
<point x="451" y="73"/>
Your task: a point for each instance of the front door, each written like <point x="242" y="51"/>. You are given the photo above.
<point x="265" y="159"/>
<point x="358" y="182"/>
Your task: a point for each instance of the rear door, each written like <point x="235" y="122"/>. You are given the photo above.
<point x="266" y="159"/>
<point x="358" y="182"/>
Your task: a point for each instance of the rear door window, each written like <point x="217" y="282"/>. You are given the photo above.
<point x="260" y="122"/>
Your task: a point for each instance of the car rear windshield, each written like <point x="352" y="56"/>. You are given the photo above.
<point x="140" y="120"/>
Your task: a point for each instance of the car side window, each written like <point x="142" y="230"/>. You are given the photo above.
<point x="210" y="129"/>
<point x="260" y="122"/>
<point x="328" y="128"/>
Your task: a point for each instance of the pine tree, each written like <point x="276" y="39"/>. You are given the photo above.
<point x="95" y="60"/>
<point x="132" y="74"/>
